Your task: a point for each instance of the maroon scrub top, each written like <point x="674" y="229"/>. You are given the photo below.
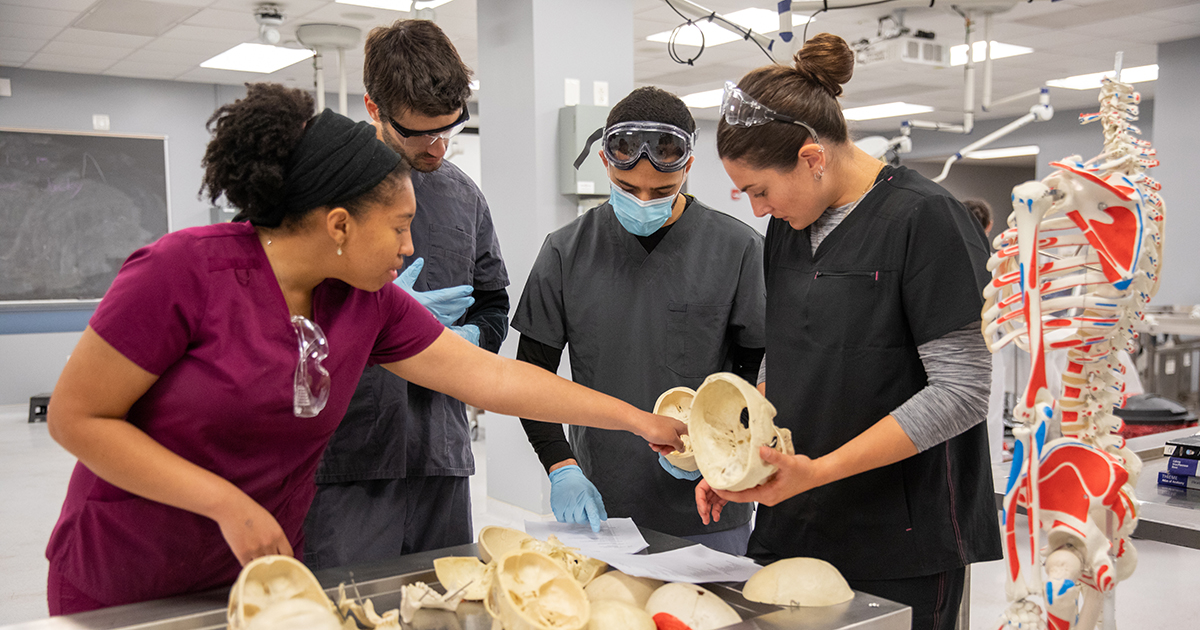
<point x="202" y="309"/>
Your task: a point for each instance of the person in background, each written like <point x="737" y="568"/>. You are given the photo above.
<point x="982" y="211"/>
<point x="395" y="477"/>
<point x="650" y="290"/>
<point x="874" y="358"/>
<point x="222" y="358"/>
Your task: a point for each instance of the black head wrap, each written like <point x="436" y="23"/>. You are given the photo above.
<point x="337" y="159"/>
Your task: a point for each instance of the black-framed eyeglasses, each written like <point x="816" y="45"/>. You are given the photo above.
<point x="441" y="133"/>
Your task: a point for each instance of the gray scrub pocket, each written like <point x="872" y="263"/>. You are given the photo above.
<point x="450" y="257"/>
<point x="696" y="338"/>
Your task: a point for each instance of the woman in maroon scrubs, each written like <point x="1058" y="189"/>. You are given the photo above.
<point x="209" y="380"/>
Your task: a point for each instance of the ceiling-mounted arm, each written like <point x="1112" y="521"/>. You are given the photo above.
<point x="698" y="13"/>
<point x="1041" y="111"/>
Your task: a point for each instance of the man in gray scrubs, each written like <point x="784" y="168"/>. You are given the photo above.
<point x="394" y="478"/>
<point x="650" y="290"/>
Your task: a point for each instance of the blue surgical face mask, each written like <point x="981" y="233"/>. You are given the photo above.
<point x="641" y="218"/>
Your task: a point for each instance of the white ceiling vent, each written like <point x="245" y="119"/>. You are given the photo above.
<point x="133" y="17"/>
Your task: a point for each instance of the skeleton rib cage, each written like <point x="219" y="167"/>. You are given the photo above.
<point x="1074" y="271"/>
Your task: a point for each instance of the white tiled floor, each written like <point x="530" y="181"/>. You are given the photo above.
<point x="34" y="472"/>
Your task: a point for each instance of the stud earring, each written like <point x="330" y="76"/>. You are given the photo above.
<point x="339" y="250"/>
<point x="268" y="241"/>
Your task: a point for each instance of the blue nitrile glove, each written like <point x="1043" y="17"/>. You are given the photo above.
<point x="447" y="305"/>
<point x="574" y="499"/>
<point x="470" y="332"/>
<point x="677" y="472"/>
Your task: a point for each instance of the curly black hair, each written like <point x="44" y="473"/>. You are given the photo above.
<point x="252" y="140"/>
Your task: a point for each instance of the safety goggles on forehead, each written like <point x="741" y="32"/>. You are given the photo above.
<point x="741" y="110"/>
<point x="666" y="146"/>
<point x="431" y="135"/>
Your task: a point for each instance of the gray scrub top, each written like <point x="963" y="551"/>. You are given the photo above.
<point x="393" y="428"/>
<point x="637" y="324"/>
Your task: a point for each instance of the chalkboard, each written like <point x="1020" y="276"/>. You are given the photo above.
<point x="73" y="207"/>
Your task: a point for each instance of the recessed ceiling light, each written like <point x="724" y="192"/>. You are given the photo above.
<point x="257" y="58"/>
<point x="474" y="85"/>
<point x="390" y="5"/>
<point x="1091" y="81"/>
<point x="429" y="4"/>
<point x="758" y="20"/>
<point x="1000" y="50"/>
<point x="885" y="110"/>
<point x="994" y="154"/>
<point x="701" y="100"/>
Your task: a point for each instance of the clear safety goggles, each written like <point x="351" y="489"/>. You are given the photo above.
<point x="666" y="146"/>
<point x="428" y="137"/>
<point x="741" y="110"/>
<point x="311" y="383"/>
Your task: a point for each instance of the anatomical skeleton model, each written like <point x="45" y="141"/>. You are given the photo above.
<point x="1073" y="272"/>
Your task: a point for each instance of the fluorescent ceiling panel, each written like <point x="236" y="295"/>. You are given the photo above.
<point x="1137" y="74"/>
<point x="701" y="100"/>
<point x="758" y="20"/>
<point x="1000" y="50"/>
<point x="257" y="58"/>
<point x="995" y="154"/>
<point x="885" y="110"/>
<point x="396" y="5"/>
<point x="390" y="5"/>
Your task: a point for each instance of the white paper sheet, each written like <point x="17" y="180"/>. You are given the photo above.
<point x="695" y="564"/>
<point x="616" y="536"/>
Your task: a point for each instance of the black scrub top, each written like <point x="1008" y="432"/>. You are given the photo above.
<point x="394" y="429"/>
<point x="637" y="324"/>
<point x="907" y="266"/>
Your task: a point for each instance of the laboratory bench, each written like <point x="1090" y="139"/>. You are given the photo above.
<point x="381" y="583"/>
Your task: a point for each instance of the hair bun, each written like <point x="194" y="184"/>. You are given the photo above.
<point x="826" y="59"/>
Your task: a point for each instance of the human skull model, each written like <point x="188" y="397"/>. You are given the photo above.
<point x="695" y="606"/>
<point x="621" y="587"/>
<point x="531" y="591"/>
<point x="798" y="582"/>
<point x="279" y="592"/>
<point x="495" y="541"/>
<point x="583" y="568"/>
<point x="455" y="573"/>
<point x="677" y="403"/>
<point x="727" y="450"/>
<point x="610" y="614"/>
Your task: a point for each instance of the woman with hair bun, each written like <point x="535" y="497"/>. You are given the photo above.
<point x="203" y="392"/>
<point x="874" y="358"/>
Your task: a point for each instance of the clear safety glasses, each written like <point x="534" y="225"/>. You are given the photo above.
<point x="741" y="110"/>
<point x="311" y="383"/>
<point x="426" y="138"/>
<point x="666" y="146"/>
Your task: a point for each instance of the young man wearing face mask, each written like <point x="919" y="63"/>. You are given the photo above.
<point x="395" y="477"/>
<point x="650" y="290"/>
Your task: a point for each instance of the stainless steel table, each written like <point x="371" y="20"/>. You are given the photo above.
<point x="382" y="581"/>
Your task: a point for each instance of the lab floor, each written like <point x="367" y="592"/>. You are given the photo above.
<point x="34" y="473"/>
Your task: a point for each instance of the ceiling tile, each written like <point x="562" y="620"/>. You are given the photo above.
<point x="13" y="57"/>
<point x="1170" y="33"/>
<point x="85" y="50"/>
<point x="68" y="63"/>
<point x="36" y="15"/>
<point x="187" y="59"/>
<point x="133" y="17"/>
<point x="141" y="70"/>
<point x="28" y="31"/>
<point x="208" y="34"/>
<point x="59" y="5"/>
<point x="223" y="19"/>
<point x="1189" y="14"/>
<point x="18" y="44"/>
<point x="101" y="38"/>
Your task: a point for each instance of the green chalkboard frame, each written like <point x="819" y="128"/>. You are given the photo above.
<point x="73" y="206"/>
